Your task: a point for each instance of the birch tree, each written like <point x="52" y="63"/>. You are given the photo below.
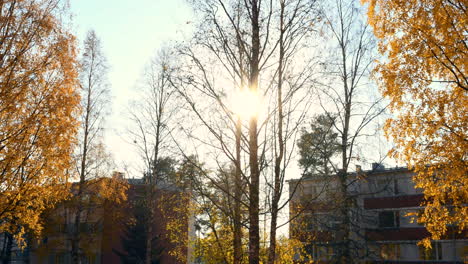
<point x="153" y="115"/>
<point x="92" y="160"/>
<point x="237" y="47"/>
<point x="345" y="96"/>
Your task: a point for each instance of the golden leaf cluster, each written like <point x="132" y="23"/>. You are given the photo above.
<point x="176" y="210"/>
<point x="424" y="74"/>
<point x="38" y="108"/>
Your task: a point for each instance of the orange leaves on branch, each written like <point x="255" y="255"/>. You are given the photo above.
<point x="38" y="108"/>
<point x="425" y="77"/>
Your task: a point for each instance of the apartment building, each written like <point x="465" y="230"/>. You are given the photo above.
<point x="104" y="230"/>
<point x="381" y="230"/>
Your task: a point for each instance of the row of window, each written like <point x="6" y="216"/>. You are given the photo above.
<point x="87" y="227"/>
<point x="392" y="186"/>
<point x="378" y="187"/>
<point x="381" y="219"/>
<point x="65" y="258"/>
<point x="389" y="219"/>
<point x="395" y="219"/>
<point x="397" y="251"/>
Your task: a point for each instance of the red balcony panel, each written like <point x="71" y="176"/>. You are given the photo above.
<point x="415" y="233"/>
<point x="411" y="233"/>
<point x="393" y="201"/>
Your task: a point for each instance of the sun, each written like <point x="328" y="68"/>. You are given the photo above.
<point x="246" y="103"/>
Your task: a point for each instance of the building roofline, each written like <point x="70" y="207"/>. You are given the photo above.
<point x="375" y="171"/>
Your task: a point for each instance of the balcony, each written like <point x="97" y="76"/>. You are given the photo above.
<point x="401" y="201"/>
<point x="392" y="234"/>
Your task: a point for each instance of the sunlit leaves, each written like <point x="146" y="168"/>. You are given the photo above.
<point x="425" y="77"/>
<point x="38" y="108"/>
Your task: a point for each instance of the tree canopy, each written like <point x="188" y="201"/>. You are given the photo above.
<point x="38" y="109"/>
<point x="424" y="74"/>
<point x="318" y="145"/>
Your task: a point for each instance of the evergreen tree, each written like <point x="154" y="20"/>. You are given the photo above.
<point x="134" y="239"/>
<point x="318" y="145"/>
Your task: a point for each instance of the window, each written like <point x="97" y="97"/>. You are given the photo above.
<point x="404" y="186"/>
<point x="420" y="214"/>
<point x="61" y="257"/>
<point x="88" y="259"/>
<point x="60" y="228"/>
<point x="433" y="253"/>
<point x="384" y="187"/>
<point x="310" y="224"/>
<point x="397" y="189"/>
<point x="321" y="252"/>
<point x="408" y="220"/>
<point x="317" y="192"/>
<point x="325" y="252"/>
<point x="90" y="227"/>
<point x="405" y="221"/>
<point x="390" y="251"/>
<point x="388" y="219"/>
<point x="316" y="222"/>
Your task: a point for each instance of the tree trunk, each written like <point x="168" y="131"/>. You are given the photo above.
<point x="239" y="185"/>
<point x="150" y="209"/>
<point x="149" y="226"/>
<point x="237" y="243"/>
<point x="75" y="242"/>
<point x="345" y="207"/>
<point x="254" y="230"/>
<point x="279" y="155"/>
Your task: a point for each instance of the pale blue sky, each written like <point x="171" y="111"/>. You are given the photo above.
<point x="131" y="31"/>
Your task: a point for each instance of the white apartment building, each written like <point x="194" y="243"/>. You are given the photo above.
<point x="380" y="231"/>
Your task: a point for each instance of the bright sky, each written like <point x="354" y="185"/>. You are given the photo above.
<point x="131" y="32"/>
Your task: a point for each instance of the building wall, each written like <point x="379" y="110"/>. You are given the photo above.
<point x="166" y="204"/>
<point x="385" y="197"/>
<point x="103" y="242"/>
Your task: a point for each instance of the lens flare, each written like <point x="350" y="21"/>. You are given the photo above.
<point x="246" y="103"/>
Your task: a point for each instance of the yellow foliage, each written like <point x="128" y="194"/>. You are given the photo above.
<point x="425" y="77"/>
<point x="176" y="212"/>
<point x="216" y="246"/>
<point x="111" y="190"/>
<point x="290" y="251"/>
<point x="38" y="109"/>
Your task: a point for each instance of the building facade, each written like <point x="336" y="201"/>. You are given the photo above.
<point x="382" y="217"/>
<point x="109" y="231"/>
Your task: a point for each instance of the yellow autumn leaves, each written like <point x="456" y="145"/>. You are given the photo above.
<point x="38" y="106"/>
<point x="425" y="77"/>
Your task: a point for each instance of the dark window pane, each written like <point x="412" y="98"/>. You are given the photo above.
<point x="386" y="219"/>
